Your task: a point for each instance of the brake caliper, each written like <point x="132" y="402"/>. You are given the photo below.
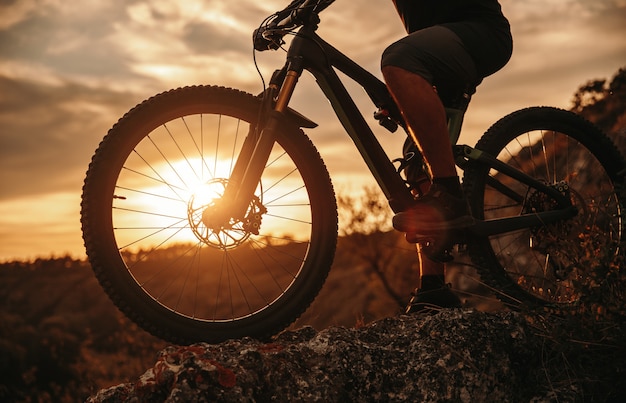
<point x="252" y="222"/>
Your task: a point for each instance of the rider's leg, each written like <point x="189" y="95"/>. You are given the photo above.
<point x="425" y="117"/>
<point x="444" y="206"/>
<point x="432" y="292"/>
<point x="436" y="56"/>
<point x="412" y="66"/>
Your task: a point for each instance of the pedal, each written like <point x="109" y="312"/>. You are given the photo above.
<point x="443" y="256"/>
<point x="419" y="238"/>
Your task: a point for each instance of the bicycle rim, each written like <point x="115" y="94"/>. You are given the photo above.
<point x="548" y="264"/>
<point x="153" y="181"/>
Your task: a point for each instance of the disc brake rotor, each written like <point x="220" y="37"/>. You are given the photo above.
<point x="557" y="241"/>
<point x="228" y="233"/>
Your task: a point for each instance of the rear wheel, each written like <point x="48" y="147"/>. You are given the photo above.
<point x="546" y="265"/>
<point x="150" y="192"/>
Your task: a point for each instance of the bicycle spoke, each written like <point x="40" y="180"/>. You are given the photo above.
<point x="173" y="158"/>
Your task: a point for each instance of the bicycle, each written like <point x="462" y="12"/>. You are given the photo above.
<point x="208" y="214"/>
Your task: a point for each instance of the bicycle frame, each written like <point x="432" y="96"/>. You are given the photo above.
<point x="310" y="52"/>
<point x="320" y="58"/>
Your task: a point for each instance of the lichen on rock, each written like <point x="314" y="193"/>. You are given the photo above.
<point x="454" y="355"/>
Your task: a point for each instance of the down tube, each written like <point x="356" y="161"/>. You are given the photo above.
<point x="370" y="149"/>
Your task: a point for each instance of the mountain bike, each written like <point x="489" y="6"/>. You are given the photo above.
<point x="208" y="214"/>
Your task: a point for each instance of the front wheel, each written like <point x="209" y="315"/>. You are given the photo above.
<point x="148" y="196"/>
<point x="547" y="265"/>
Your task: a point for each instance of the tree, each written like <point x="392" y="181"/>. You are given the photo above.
<point x="604" y="103"/>
<point x="366" y="232"/>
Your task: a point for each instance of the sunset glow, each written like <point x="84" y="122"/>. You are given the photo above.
<point x="175" y="177"/>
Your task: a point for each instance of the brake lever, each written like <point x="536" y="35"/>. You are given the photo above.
<point x="270" y="37"/>
<point x="264" y="39"/>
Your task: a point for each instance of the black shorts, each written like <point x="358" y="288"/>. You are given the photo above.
<point x="439" y="55"/>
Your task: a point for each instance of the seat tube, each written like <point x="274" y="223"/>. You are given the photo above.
<point x="455" y="122"/>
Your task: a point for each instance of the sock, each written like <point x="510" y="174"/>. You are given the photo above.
<point x="432" y="282"/>
<point x="452" y="184"/>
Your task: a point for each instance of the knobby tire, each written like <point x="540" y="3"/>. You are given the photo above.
<point x="544" y="266"/>
<point x="150" y="183"/>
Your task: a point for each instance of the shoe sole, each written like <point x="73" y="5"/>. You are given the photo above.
<point x="429" y="229"/>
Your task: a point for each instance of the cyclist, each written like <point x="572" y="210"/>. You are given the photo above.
<point x="451" y="46"/>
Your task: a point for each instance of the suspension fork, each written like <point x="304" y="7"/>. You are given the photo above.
<point x="259" y="143"/>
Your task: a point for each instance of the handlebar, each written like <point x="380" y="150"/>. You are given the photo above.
<point x="270" y="34"/>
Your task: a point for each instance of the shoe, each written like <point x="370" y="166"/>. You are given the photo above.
<point x="433" y="300"/>
<point x="435" y="212"/>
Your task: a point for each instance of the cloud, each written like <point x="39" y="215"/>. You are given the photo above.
<point x="68" y="72"/>
<point x="15" y="12"/>
<point x="49" y="133"/>
<point x="68" y="41"/>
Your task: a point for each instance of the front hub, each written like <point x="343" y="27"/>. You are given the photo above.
<point x="211" y="221"/>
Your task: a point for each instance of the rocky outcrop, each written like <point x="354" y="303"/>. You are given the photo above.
<point x="455" y="355"/>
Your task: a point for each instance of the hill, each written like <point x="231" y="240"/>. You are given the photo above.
<point x="61" y="338"/>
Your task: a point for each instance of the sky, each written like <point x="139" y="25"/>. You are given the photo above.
<point x="69" y="70"/>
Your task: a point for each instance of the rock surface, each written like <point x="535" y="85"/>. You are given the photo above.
<point x="455" y="355"/>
